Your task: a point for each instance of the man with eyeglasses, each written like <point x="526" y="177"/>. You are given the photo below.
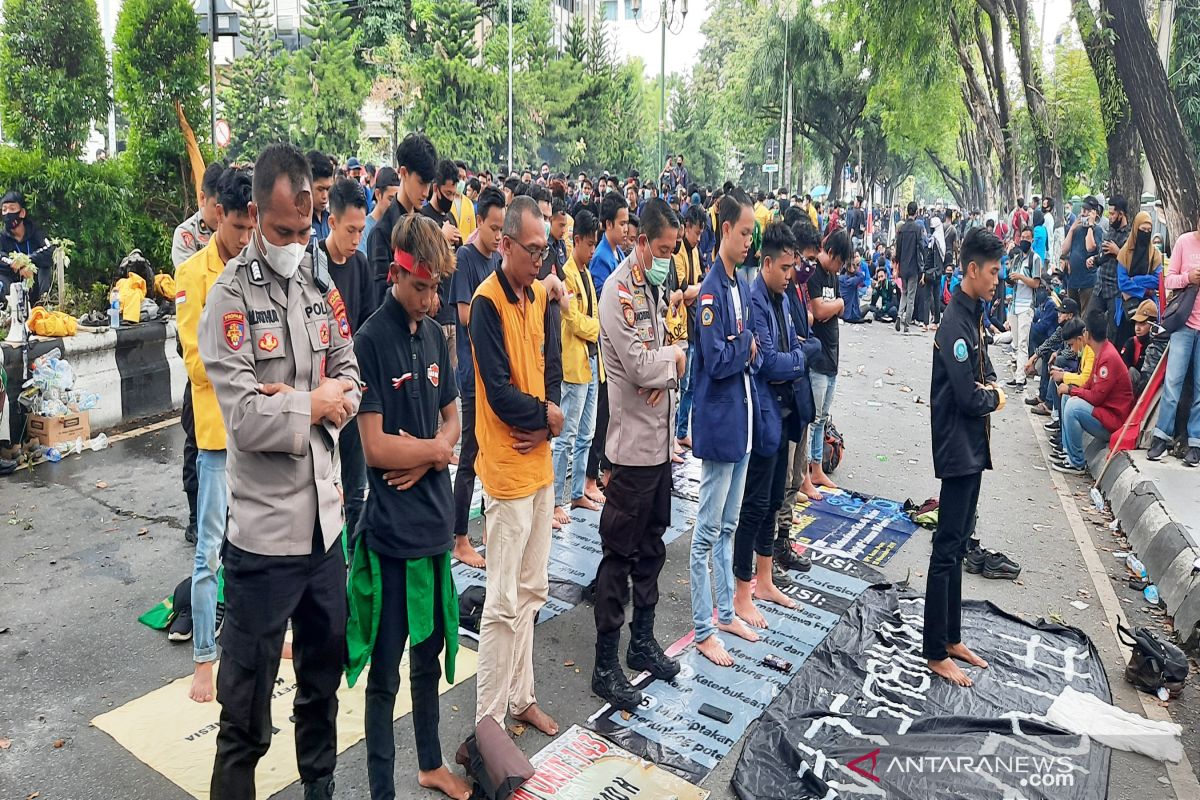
<point x="518" y="369"/>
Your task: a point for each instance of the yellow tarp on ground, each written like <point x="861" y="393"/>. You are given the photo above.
<point x="177" y="738"/>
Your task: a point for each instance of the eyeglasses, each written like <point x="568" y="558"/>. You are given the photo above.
<point x="535" y="253"/>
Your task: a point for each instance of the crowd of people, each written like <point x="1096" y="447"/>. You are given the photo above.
<point x="351" y="333"/>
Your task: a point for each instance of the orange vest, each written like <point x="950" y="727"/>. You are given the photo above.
<point x="505" y="473"/>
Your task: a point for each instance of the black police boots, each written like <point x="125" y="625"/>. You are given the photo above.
<point x="608" y="680"/>
<point x="320" y="789"/>
<point x="644" y="652"/>
<point x="788" y="558"/>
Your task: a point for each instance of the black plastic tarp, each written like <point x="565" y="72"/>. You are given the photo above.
<point x="865" y="718"/>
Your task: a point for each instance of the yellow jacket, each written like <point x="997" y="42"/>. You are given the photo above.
<point x="464" y="213"/>
<point x="578" y="327"/>
<point x="762" y="215"/>
<point x="812" y="214"/>
<point x="193" y="279"/>
<point x="131" y="290"/>
<point x="1086" y="359"/>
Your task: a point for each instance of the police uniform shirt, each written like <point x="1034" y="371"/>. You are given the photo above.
<point x="190" y="237"/>
<point x="960" y="401"/>
<point x="407" y="378"/>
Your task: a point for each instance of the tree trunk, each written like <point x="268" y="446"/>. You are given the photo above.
<point x="840" y="157"/>
<point x="1009" y="183"/>
<point x="1123" y="146"/>
<point x="1049" y="163"/>
<point x="1155" y="114"/>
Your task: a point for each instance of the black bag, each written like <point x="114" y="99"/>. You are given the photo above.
<point x="470" y="608"/>
<point x="490" y="757"/>
<point x="1155" y="663"/>
<point x="1178" y="309"/>
<point x="835" y="448"/>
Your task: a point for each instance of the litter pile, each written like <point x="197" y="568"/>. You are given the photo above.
<point x="58" y="408"/>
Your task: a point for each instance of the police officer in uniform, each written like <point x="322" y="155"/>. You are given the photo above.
<point x="282" y="366"/>
<point x="642" y="369"/>
<point x="963" y="395"/>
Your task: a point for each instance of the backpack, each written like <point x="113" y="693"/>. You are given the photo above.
<point x="1155" y="663"/>
<point x="835" y="448"/>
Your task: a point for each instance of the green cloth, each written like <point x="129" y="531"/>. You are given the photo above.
<point x="365" y="589"/>
<point x="159" y="617"/>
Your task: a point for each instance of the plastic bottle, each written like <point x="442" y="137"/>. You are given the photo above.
<point x="1136" y="566"/>
<point x="114" y="309"/>
<point x="53" y="455"/>
<point x="1151" y="594"/>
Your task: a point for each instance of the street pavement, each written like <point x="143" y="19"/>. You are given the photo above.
<point x="92" y="542"/>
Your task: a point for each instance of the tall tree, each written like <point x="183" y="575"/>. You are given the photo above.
<point x="56" y="75"/>
<point x="160" y="60"/>
<point x="327" y="87"/>
<point x="1122" y="144"/>
<point x="253" y="92"/>
<point x="1155" y="113"/>
<point x="1185" y="68"/>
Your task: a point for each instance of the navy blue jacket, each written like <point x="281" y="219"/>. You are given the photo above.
<point x="782" y="357"/>
<point x="798" y="304"/>
<point x="720" y="410"/>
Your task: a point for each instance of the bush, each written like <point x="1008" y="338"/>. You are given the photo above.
<point x="94" y="205"/>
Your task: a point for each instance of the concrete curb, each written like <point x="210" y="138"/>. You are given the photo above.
<point x="1158" y="539"/>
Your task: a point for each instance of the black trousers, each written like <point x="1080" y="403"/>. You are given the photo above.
<point x="597" y="461"/>
<point x="261" y="594"/>
<point x="943" y="589"/>
<point x="464" y="478"/>
<point x="637" y="512"/>
<point x="383" y="682"/>
<point x="187" y="420"/>
<point x="354" y="477"/>
<point x="755" y="534"/>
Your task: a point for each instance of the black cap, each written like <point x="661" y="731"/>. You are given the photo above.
<point x="1069" y="306"/>
<point x="385" y="177"/>
<point x="1091" y="202"/>
<point x="13" y="196"/>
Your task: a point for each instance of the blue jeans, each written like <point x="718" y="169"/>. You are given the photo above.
<point x="822" y="389"/>
<point x="212" y="504"/>
<point x="1077" y="418"/>
<point x="682" y="416"/>
<point x="721" y="487"/>
<point x="1183" y="352"/>
<point x="572" y="445"/>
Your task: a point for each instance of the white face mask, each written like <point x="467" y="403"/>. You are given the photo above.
<point x="283" y="260"/>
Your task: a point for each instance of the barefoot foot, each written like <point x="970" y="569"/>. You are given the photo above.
<point x="466" y="554"/>
<point x="748" y="612"/>
<point x="686" y="441"/>
<point x="950" y="671"/>
<point x="963" y="653"/>
<point x="592" y="491"/>
<point x="712" y="649"/>
<point x="446" y="782"/>
<point x="202" y="683"/>
<point x="770" y="593"/>
<point x="809" y="490"/>
<point x="561" y="517"/>
<point x="739" y="629"/>
<point x="585" y="502"/>
<point x="286" y="653"/>
<point x="819" y="478"/>
<point x="538" y="719"/>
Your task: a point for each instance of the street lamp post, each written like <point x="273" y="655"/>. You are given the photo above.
<point x="216" y="19"/>
<point x="667" y="20"/>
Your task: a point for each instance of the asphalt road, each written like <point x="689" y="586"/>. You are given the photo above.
<point x="95" y="540"/>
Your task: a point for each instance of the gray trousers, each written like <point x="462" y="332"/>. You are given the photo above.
<point x="908" y="300"/>
<point x="797" y="456"/>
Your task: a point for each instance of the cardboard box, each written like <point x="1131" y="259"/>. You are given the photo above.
<point x="53" y="430"/>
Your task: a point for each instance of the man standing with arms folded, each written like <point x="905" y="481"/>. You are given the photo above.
<point x="642" y="369"/>
<point x="286" y="381"/>
<point x="193" y="280"/>
<point x="909" y="241"/>
<point x="518" y="370"/>
<point x="721" y="436"/>
<point x="477" y="259"/>
<point x="826" y="304"/>
<point x="964" y="394"/>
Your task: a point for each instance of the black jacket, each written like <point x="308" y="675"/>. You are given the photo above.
<point x="909" y="244"/>
<point x="959" y="406"/>
<point x="39" y="253"/>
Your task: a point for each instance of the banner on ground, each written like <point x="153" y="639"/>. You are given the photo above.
<point x="668" y="728"/>
<point x="862" y="526"/>
<point x="579" y="765"/>
<point x="865" y="718"/>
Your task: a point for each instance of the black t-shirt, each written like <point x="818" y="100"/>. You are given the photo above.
<point x="471" y="270"/>
<point x="824" y="286"/>
<point x="355" y="284"/>
<point x="406" y="378"/>
<point x="447" y="314"/>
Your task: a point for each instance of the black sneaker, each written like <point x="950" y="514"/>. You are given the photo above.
<point x="1192" y="458"/>
<point x="1032" y="401"/>
<point x="1014" y="382"/>
<point x="189" y="533"/>
<point x="788" y="558"/>
<point x="1053" y="425"/>
<point x="1067" y="468"/>
<point x="974" y="560"/>
<point x="998" y="566"/>
<point x="218" y="619"/>
<point x="897" y="324"/>
<point x="1158" y="448"/>
<point x="181" y="626"/>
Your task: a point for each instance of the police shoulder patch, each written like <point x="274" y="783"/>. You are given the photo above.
<point x="960" y="350"/>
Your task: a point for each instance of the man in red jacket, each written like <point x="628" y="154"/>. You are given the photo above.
<point x="1101" y="405"/>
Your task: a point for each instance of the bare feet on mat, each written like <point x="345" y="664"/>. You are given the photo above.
<point x="739" y="629"/>
<point x="819" y="478"/>
<point x="712" y="649"/>
<point x="963" y="653"/>
<point x="592" y="491"/>
<point x="950" y="671"/>
<point x="770" y="593"/>
<point x="809" y="490"/>
<point x="466" y="554"/>
<point x="202" y="690"/>
<point x="538" y="719"/>
<point x="749" y="613"/>
<point x="585" y="502"/>
<point x="446" y="782"/>
<point x="561" y="517"/>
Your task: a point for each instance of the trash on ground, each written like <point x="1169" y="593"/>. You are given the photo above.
<point x="1079" y="605"/>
